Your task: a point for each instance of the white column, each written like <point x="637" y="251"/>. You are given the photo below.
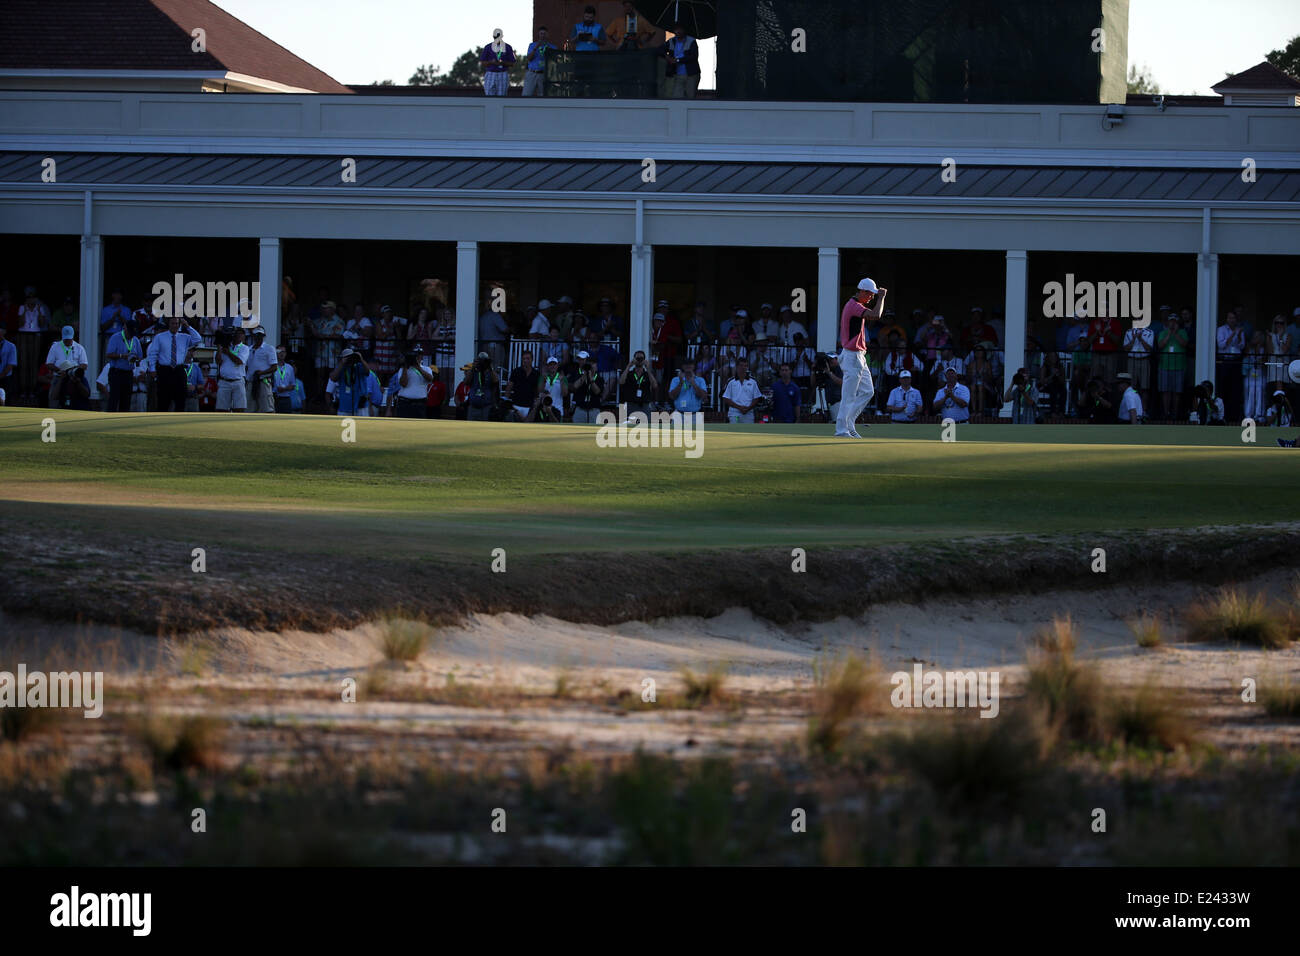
<point x="1017" y="309"/>
<point x="641" y="306"/>
<point x="1207" y="308"/>
<point x="91" y="300"/>
<point x="466" y="305"/>
<point x="828" y="300"/>
<point x="269" y="279"/>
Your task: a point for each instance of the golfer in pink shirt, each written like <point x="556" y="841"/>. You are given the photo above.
<point x="858" y="388"/>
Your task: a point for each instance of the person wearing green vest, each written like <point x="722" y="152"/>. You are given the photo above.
<point x="1171" y="346"/>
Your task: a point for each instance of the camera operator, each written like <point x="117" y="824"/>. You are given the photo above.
<point x="413" y="380"/>
<point x="481" y="380"/>
<point x="688" y="391"/>
<point x="555" y="385"/>
<point x="1097" y="407"/>
<point x="640" y="385"/>
<point x="587" y="387"/>
<point x="350" y="384"/>
<point x="827" y="386"/>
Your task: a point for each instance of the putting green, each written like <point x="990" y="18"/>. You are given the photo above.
<point x="421" y="487"/>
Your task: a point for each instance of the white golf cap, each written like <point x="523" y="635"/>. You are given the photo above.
<point x="544" y="304"/>
<point x="659" y="317"/>
<point x="347" y="352"/>
<point x="866" y="285"/>
<point x="904" y="374"/>
<point x="583" y="355"/>
<point x="566" y="299"/>
<point x="552" y="359"/>
<point x="1293" y="371"/>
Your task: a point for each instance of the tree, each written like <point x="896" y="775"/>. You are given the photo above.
<point x="466" y="71"/>
<point x="1288" y="59"/>
<point x="382" y="83"/>
<point x="1141" y="80"/>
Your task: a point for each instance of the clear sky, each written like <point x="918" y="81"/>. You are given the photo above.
<point x="1188" y="45"/>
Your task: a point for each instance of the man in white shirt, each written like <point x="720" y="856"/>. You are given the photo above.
<point x="541" y="326"/>
<point x="953" y="399"/>
<point x="262" y="361"/>
<point x="904" y="401"/>
<point x="741" y="395"/>
<point x="1130" y="405"/>
<point x="67" y="356"/>
<point x="789" y="327"/>
<point x="766" y="325"/>
<point x="232" y="395"/>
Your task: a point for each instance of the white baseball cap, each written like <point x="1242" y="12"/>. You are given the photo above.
<point x="866" y="285"/>
<point x="544" y="304"/>
<point x="583" y="355"/>
<point x="904" y="374"/>
<point x="1293" y="371"/>
<point x="552" y="359"/>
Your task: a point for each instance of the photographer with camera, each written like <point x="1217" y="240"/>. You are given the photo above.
<point x="1023" y="397"/>
<point x="412" y="380"/>
<point x="232" y="395"/>
<point x="587" y="36"/>
<point x="640" y="385"/>
<point x="587" y="388"/>
<point x="480" y="385"/>
<point x="827" y="386"/>
<point x="1279" y="412"/>
<point x="688" y="391"/>
<point x="349" y="383"/>
<point x="124" y="352"/>
<point x="544" y="410"/>
<point x="1209" y="410"/>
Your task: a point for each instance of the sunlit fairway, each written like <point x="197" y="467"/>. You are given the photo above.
<point x="420" y="487"/>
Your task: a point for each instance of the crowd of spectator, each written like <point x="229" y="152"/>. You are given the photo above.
<point x="628" y="32"/>
<point x="557" y="361"/>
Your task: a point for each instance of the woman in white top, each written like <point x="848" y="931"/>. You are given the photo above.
<point x="1280" y="348"/>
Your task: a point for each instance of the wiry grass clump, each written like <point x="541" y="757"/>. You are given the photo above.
<point x="977" y="763"/>
<point x="704" y="689"/>
<point x="1280" y="697"/>
<point x="19" y="723"/>
<point x="1148" y="630"/>
<point x="1150" y="716"/>
<point x="1241" y="618"/>
<point x="844" y="688"/>
<point x="402" y="639"/>
<point x="1069" y="693"/>
<point x="1078" y="706"/>
<point x="180" y="742"/>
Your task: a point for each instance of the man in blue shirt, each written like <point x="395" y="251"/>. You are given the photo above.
<point x="588" y="36"/>
<point x="114" y="315"/>
<point x="166" y="356"/>
<point x="123" y="352"/>
<point x="535" y="72"/>
<point x="682" y="75"/>
<point x="786" y="398"/>
<point x="687" y="390"/>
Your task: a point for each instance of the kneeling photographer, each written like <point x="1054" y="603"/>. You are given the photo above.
<point x="412" y="380"/>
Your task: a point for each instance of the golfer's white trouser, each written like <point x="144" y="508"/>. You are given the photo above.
<point x="858" y="390"/>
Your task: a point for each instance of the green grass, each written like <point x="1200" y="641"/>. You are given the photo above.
<point x="412" y="488"/>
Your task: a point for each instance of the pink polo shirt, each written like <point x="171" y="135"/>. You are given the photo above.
<point x="858" y="343"/>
